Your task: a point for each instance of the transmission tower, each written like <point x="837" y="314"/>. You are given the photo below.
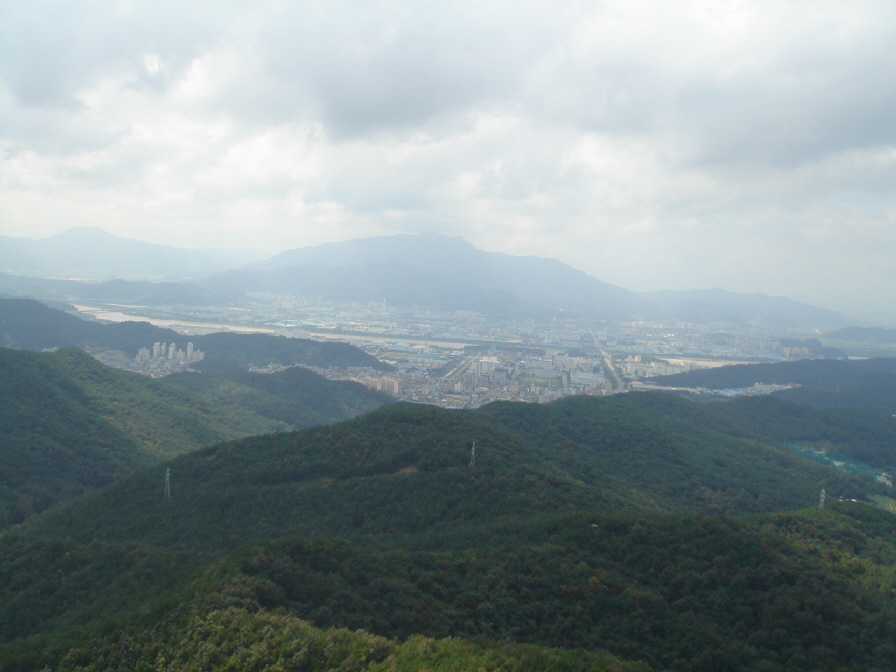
<point x="168" y="483"/>
<point x="821" y="500"/>
<point x="473" y="456"/>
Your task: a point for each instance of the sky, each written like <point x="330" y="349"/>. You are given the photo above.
<point x="749" y="146"/>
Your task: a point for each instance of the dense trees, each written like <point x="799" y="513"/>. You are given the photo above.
<point x="70" y="424"/>
<point x="798" y="591"/>
<point x="581" y="528"/>
<point x="868" y="384"/>
<point x="296" y="397"/>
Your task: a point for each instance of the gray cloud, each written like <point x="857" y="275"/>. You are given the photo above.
<point x="651" y="144"/>
<point x="52" y="50"/>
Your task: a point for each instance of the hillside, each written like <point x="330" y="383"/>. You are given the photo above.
<point x="868" y="384"/>
<point x="70" y="424"/>
<point x="296" y="397"/>
<point x="863" y="341"/>
<point x="578" y="525"/>
<point x="30" y="325"/>
<point x="403" y="469"/>
<point x="777" y="592"/>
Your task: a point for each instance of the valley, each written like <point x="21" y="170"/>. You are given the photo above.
<point x="523" y="360"/>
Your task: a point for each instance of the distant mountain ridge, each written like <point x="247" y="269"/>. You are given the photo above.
<point x="128" y="292"/>
<point x="449" y="273"/>
<point x="540" y="280"/>
<point x="424" y="270"/>
<point x="90" y="252"/>
<point x="720" y="305"/>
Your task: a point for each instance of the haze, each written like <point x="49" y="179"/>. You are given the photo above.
<point x="744" y="145"/>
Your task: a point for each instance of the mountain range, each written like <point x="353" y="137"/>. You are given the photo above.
<point x="637" y="532"/>
<point x="425" y="270"/>
<point x="91" y="253"/>
<point x="451" y="274"/>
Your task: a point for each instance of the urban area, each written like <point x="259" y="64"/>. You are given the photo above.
<point x="463" y="359"/>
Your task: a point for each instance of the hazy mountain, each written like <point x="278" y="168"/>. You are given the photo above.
<point x="719" y="305"/>
<point x="574" y="528"/>
<point x="90" y="252"/>
<point x="429" y="270"/>
<point x="397" y="283"/>
<point x="127" y="292"/>
<point x="446" y="265"/>
<point x="450" y="273"/>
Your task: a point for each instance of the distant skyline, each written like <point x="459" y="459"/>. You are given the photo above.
<point x="749" y="146"/>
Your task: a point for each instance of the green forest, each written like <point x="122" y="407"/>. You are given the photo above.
<point x="835" y="384"/>
<point x="70" y="424"/>
<point x="636" y="532"/>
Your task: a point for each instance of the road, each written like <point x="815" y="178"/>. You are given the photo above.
<point x="616" y="379"/>
<point x="465" y="364"/>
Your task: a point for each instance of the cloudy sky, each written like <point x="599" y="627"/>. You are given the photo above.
<point x="655" y="145"/>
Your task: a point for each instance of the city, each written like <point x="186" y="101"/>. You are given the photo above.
<point x="463" y="359"/>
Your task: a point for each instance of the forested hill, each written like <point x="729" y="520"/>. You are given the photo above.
<point x="576" y="525"/>
<point x="404" y="469"/>
<point x="70" y="423"/>
<point x="30" y="325"/>
<point x="297" y="397"/>
<point x="863" y="383"/>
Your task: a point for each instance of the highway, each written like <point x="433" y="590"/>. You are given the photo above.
<point x="615" y="378"/>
